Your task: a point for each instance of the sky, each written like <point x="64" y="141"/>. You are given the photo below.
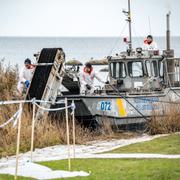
<point x="86" y="17"/>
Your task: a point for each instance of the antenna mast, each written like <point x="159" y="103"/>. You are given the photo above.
<point x="128" y="15"/>
<point x="129" y="20"/>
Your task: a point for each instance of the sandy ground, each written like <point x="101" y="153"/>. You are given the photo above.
<point x="28" y="169"/>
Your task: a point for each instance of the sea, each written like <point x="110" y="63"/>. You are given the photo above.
<point x="14" y="50"/>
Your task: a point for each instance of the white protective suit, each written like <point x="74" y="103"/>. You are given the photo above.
<point x="24" y="75"/>
<point x="88" y="79"/>
<point x="151" y="46"/>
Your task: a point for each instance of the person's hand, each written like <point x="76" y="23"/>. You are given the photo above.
<point x="27" y="83"/>
<point x="88" y="87"/>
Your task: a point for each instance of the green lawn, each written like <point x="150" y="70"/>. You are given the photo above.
<point x="125" y="169"/>
<point x="163" y="145"/>
<point x="118" y="169"/>
<point x="9" y="177"/>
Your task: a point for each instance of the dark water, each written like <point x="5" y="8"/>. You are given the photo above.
<point x="16" y="49"/>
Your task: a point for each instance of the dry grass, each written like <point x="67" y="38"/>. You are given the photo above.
<point x="168" y="123"/>
<point x="8" y="79"/>
<point x="47" y="131"/>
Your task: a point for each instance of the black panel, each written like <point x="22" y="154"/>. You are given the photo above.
<point x="41" y="73"/>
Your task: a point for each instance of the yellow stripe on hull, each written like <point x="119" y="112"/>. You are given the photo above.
<point x="122" y="110"/>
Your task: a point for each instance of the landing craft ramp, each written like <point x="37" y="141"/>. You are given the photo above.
<point x="47" y="77"/>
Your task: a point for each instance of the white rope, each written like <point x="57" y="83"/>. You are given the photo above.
<point x="73" y="107"/>
<point x="17" y="118"/>
<point x="29" y="101"/>
<point x="43" y="64"/>
<point x="60" y="102"/>
<point x="14" y="102"/>
<point x="55" y="109"/>
<point x="13" y="118"/>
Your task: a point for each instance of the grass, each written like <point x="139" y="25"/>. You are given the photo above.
<point x="163" y="145"/>
<point x="10" y="177"/>
<point x="118" y="169"/>
<point x="126" y="169"/>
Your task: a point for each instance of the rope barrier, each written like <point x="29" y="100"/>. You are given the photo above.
<point x="30" y="101"/>
<point x="43" y="64"/>
<point x="17" y="118"/>
<point x="73" y="106"/>
<point x="55" y="109"/>
<point x="33" y="101"/>
<point x="15" y="102"/>
<point x="13" y="118"/>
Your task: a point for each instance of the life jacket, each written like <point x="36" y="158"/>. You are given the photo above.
<point x="91" y="69"/>
<point x="32" y="66"/>
<point x="149" y="46"/>
<point x="146" y="42"/>
<point x="88" y="76"/>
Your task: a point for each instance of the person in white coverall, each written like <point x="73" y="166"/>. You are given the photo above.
<point x="87" y="79"/>
<point x="25" y="76"/>
<point x="149" y="43"/>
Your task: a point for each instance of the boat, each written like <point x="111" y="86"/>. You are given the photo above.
<point x="140" y="82"/>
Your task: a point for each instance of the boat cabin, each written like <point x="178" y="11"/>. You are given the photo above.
<point x="144" y="71"/>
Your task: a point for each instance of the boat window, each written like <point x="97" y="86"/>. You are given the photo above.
<point x="118" y="70"/>
<point x="135" y="69"/>
<point x="113" y="70"/>
<point x="122" y="72"/>
<point x="161" y="69"/>
<point x="148" y="67"/>
<point x="154" y="69"/>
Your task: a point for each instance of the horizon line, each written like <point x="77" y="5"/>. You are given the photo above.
<point x="1" y="36"/>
